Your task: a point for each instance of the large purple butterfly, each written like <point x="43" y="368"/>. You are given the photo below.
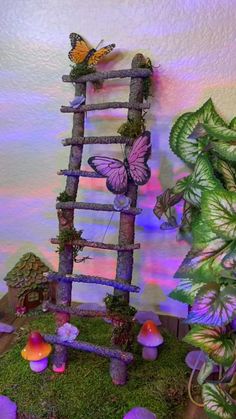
<point x="134" y="167"/>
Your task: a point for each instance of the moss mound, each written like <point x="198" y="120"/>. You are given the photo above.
<point x="85" y="390"/>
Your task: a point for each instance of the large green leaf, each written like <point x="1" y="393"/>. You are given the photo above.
<point x="186" y="291"/>
<point x="228" y="174"/>
<point x="217" y="403"/>
<point x="204" y="261"/>
<point x="202" y="179"/>
<point x="188" y="148"/>
<point x="219" y="211"/>
<point x="214" y="305"/>
<point x="225" y="150"/>
<point x="215" y="341"/>
<point x="220" y="132"/>
<point x="178" y="125"/>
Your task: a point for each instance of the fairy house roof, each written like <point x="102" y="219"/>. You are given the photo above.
<point x="27" y="273"/>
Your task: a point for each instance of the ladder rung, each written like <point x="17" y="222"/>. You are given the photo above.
<point x="87" y="279"/>
<point x="114" y="74"/>
<point x="103" y="351"/>
<point x="95" y="207"/>
<point x="76" y="311"/>
<point x="100" y="245"/>
<point x="106" y="105"/>
<point x="78" y="173"/>
<point x="98" y="140"/>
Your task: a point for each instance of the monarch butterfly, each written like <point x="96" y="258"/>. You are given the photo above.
<point x="81" y="53"/>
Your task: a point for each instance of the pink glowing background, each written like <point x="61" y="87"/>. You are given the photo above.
<point x="192" y="46"/>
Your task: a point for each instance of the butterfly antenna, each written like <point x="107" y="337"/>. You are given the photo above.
<point x="99" y="44"/>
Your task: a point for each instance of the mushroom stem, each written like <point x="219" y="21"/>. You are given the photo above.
<point x="118" y="372"/>
<point x="39" y="366"/>
<point x="150" y="353"/>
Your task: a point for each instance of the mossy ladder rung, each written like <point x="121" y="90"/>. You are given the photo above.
<point x="114" y="74"/>
<point x="101" y="245"/>
<point x="65" y="210"/>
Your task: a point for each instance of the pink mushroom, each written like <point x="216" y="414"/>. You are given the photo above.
<point x="150" y="338"/>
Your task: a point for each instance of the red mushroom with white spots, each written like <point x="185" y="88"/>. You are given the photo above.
<point x="150" y="338"/>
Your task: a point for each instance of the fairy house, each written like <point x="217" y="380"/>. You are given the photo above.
<point x="27" y="285"/>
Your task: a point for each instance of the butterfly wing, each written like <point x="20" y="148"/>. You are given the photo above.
<point x="79" y="50"/>
<point x="99" y="54"/>
<point x="138" y="157"/>
<point x="113" y="169"/>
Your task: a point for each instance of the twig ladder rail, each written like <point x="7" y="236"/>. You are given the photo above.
<point x="65" y="210"/>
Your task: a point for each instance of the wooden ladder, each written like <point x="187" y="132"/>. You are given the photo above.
<point x="65" y="210"/>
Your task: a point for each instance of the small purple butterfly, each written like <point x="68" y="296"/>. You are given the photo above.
<point x="134" y="167"/>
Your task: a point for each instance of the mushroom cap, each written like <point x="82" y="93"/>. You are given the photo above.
<point x="149" y="335"/>
<point x="36" y="348"/>
<point x="8" y="408"/>
<point x="196" y="359"/>
<point x="139" y="413"/>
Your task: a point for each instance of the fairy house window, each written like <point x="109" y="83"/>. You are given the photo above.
<point x="27" y="286"/>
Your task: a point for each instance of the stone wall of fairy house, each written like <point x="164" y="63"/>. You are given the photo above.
<point x="27" y="285"/>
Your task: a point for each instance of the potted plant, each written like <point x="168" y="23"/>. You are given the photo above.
<point x="207" y="275"/>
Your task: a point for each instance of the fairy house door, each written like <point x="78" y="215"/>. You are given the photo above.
<point x="33" y="298"/>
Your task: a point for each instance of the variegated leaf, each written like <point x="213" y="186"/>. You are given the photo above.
<point x="213" y="306"/>
<point x="205" y="371"/>
<point x="203" y="262"/>
<point x="229" y="374"/>
<point x="215" y="341"/>
<point x="225" y="150"/>
<point x="217" y="403"/>
<point x="228" y="173"/>
<point x="232" y="124"/>
<point x="165" y="201"/>
<point x="202" y="179"/>
<point x="181" y="185"/>
<point x="220" y="132"/>
<point x="219" y="211"/>
<point x="178" y="125"/>
<point x="188" y="148"/>
<point x="186" y="291"/>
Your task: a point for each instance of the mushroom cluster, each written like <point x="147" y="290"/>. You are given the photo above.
<point x="37" y="351"/>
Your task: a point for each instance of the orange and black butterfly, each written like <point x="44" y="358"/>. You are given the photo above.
<point x="81" y="53"/>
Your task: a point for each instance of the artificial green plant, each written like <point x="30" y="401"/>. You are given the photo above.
<point x="207" y="144"/>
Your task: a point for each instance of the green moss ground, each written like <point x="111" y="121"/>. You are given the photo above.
<point x="85" y="391"/>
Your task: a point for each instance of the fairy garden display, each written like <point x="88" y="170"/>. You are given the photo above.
<point x="68" y="340"/>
